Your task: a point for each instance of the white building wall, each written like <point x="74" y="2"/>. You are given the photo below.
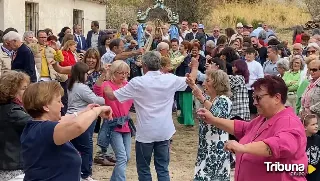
<point x="54" y="14"/>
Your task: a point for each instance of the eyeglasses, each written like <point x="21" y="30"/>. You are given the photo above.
<point x="311" y="51"/>
<point x="314" y="70"/>
<point x="122" y="73"/>
<point x="258" y="97"/>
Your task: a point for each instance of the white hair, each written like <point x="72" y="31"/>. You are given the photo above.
<point x="27" y="34"/>
<point x="12" y="35"/>
<point x="162" y="46"/>
<point x="210" y="44"/>
<point x="314" y="45"/>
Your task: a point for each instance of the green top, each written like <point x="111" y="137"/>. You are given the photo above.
<point x="292" y="80"/>
<point x="304" y="84"/>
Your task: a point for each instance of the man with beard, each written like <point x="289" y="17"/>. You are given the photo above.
<point x="261" y="50"/>
<point x="196" y="35"/>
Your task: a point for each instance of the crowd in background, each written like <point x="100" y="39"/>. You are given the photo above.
<point x="257" y="99"/>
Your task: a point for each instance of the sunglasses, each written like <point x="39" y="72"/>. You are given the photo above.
<point x="311" y="51"/>
<point x="313" y="70"/>
<point x="258" y="97"/>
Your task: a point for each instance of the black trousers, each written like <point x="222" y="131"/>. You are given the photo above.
<point x="232" y="137"/>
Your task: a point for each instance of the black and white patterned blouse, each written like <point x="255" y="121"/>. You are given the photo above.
<point x="239" y="98"/>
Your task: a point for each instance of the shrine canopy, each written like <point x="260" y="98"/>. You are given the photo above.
<point x="158" y="12"/>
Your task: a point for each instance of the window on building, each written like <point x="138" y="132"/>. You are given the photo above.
<point x="78" y="18"/>
<point x="31" y="17"/>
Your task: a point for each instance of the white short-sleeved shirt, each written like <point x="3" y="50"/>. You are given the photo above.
<point x="153" y="95"/>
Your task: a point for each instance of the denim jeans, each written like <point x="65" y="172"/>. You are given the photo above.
<point x="84" y="145"/>
<point x="161" y="160"/>
<point x="121" y="144"/>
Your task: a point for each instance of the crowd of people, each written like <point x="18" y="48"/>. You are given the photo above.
<point x="256" y="100"/>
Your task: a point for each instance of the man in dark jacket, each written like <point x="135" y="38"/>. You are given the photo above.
<point x="94" y="36"/>
<point x="22" y="59"/>
<point x="196" y="35"/>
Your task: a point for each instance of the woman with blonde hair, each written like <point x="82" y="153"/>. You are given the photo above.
<point x="46" y="148"/>
<point x="118" y="131"/>
<point x="69" y="54"/>
<point x="13" y="118"/>
<point x="211" y="139"/>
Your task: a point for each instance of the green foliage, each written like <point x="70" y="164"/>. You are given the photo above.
<point x="241" y="20"/>
<point x="255" y="23"/>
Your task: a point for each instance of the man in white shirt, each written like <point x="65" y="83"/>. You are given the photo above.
<point x="153" y="95"/>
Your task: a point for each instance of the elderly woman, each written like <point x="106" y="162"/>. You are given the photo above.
<point x="46" y="149"/>
<point x="282" y="66"/>
<point x="79" y="97"/>
<point x="310" y="102"/>
<point x="118" y="132"/>
<point x="292" y="79"/>
<point x="28" y="37"/>
<point x="276" y="135"/>
<point x="13" y="118"/>
<point x="213" y="163"/>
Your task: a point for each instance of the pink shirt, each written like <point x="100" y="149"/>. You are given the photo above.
<point x="118" y="109"/>
<point x="285" y="135"/>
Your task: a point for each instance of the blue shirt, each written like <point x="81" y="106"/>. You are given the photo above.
<point x="43" y="160"/>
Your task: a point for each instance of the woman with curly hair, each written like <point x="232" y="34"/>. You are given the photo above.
<point x="13" y="118"/>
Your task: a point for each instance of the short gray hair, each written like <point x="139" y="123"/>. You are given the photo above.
<point x="162" y="46"/>
<point x="283" y="63"/>
<point x="27" y="34"/>
<point x="12" y="35"/>
<point x="296" y="57"/>
<point x="152" y="61"/>
<point x="210" y="44"/>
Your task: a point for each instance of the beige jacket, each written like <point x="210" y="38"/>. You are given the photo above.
<point x="51" y="56"/>
<point x="5" y="62"/>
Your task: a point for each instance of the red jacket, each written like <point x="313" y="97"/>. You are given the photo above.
<point x="69" y="59"/>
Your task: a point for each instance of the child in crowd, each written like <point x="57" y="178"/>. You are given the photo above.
<point x="313" y="145"/>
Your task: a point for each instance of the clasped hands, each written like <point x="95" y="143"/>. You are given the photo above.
<point x="104" y="112"/>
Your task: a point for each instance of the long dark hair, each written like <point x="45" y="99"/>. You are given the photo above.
<point x="78" y="72"/>
<point x="242" y="69"/>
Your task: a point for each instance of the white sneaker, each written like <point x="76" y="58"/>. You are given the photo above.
<point x="88" y="179"/>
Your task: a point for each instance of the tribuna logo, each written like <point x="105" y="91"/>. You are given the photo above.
<point x="293" y="169"/>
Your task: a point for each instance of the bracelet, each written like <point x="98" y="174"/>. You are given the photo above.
<point x="76" y="114"/>
<point x="202" y="102"/>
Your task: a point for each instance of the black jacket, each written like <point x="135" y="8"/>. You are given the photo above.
<point x="199" y="36"/>
<point x="313" y="152"/>
<point x="184" y="68"/>
<point x="24" y="61"/>
<point x="13" y="118"/>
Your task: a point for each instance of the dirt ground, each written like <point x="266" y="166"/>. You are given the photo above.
<point x="182" y="161"/>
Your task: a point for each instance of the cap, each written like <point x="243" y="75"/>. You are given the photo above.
<point x="249" y="26"/>
<point x="239" y="25"/>
<point x="200" y="26"/>
<point x="314" y="45"/>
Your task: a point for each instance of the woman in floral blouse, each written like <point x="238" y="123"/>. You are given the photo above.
<point x="213" y="162"/>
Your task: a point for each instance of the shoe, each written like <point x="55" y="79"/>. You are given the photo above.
<point x="111" y="159"/>
<point x="103" y="161"/>
<point x="88" y="179"/>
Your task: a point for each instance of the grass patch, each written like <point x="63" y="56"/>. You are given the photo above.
<point x="276" y="14"/>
